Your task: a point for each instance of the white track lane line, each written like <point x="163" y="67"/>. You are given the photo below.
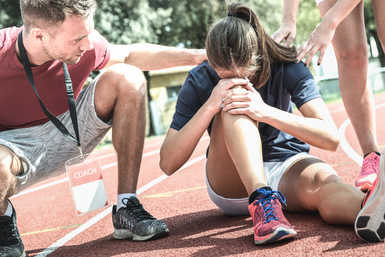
<point x="59" y="243"/>
<point x="346" y="147"/>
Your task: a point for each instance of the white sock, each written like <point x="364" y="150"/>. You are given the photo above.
<point x="9" y="211"/>
<point x="119" y="203"/>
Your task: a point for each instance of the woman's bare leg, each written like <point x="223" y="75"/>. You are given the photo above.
<point x="235" y="164"/>
<point x="311" y="184"/>
<point x="350" y="46"/>
<point x="235" y="169"/>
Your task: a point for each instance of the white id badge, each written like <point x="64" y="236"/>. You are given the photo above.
<point x="87" y="185"/>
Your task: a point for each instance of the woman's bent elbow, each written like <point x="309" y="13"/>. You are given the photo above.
<point x="165" y="167"/>
<point x="333" y="144"/>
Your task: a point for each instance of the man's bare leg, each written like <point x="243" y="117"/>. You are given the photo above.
<point x="120" y="95"/>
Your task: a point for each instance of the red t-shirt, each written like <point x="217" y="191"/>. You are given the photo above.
<point x="19" y="107"/>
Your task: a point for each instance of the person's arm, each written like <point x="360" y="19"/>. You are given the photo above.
<point x="315" y="127"/>
<point x="178" y="145"/>
<point x="152" y="57"/>
<point x="287" y="31"/>
<point x="323" y="34"/>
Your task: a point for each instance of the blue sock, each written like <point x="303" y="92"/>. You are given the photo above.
<point x="254" y="195"/>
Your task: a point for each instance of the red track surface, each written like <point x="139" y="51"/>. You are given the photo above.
<point x="197" y="227"/>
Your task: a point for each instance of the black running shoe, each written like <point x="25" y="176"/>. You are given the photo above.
<point x="133" y="222"/>
<point x="10" y="241"/>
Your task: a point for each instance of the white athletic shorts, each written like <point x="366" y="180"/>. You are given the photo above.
<point x="273" y="172"/>
<point x="318" y="1"/>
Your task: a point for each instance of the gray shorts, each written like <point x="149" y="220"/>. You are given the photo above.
<point x="273" y="172"/>
<point x="43" y="149"/>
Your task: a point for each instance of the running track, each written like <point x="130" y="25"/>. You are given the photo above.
<point x="49" y="225"/>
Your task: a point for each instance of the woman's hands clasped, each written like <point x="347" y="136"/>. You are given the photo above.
<point x="238" y="96"/>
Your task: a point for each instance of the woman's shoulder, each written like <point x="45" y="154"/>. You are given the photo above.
<point x="205" y="70"/>
<point x="291" y="66"/>
<point x="203" y="74"/>
<point x="293" y="70"/>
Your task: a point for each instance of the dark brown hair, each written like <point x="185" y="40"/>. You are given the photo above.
<point x="53" y="12"/>
<point x="239" y="41"/>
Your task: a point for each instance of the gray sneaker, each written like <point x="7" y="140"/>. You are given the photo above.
<point x="133" y="222"/>
<point x="10" y="241"/>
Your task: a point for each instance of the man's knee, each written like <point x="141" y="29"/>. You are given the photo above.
<point x="128" y="80"/>
<point x="120" y="86"/>
<point x="10" y="166"/>
<point x="9" y="161"/>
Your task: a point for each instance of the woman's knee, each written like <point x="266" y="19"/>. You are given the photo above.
<point x="303" y="183"/>
<point x="334" y="195"/>
<point x="354" y="57"/>
<point x="239" y="120"/>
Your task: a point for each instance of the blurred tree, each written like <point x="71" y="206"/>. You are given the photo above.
<point x="307" y="19"/>
<point x="130" y="21"/>
<point x="371" y="31"/>
<point x="191" y="20"/>
<point x="171" y="22"/>
<point x="9" y="14"/>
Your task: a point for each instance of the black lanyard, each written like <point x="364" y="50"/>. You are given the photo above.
<point x="70" y="95"/>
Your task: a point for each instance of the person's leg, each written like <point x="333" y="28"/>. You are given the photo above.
<point x="310" y="184"/>
<point x="120" y="95"/>
<point x="350" y="46"/>
<point x="235" y="164"/>
<point x="370" y="222"/>
<point x="10" y="167"/>
<point x="235" y="170"/>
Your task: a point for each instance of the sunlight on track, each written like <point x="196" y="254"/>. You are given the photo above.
<point x="24" y="192"/>
<point x="346" y="147"/>
<point x="59" y="243"/>
<point x="50" y="230"/>
<point x="172" y="193"/>
<point x="350" y="152"/>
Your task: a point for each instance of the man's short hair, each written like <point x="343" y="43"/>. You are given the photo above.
<point x="53" y="12"/>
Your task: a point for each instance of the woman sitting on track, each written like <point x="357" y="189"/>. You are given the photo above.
<point x="258" y="153"/>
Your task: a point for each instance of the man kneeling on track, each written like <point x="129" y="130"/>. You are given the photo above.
<point x="58" y="40"/>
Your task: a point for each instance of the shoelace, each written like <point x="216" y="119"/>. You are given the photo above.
<point x="266" y="203"/>
<point x="135" y="207"/>
<point x="369" y="165"/>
